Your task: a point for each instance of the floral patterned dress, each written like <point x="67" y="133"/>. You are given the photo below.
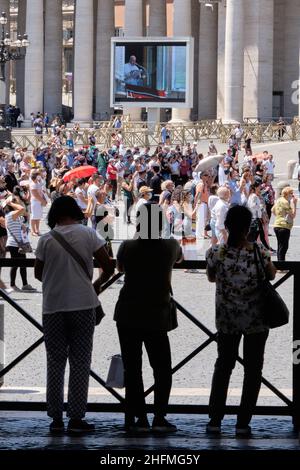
<point x="238" y="304"/>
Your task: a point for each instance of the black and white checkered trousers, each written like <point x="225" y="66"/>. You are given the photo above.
<point x="68" y="336"/>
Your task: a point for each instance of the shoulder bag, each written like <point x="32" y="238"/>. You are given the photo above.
<point x="115" y="377"/>
<point x="78" y="258"/>
<point x="275" y="311"/>
<point x="24" y="247"/>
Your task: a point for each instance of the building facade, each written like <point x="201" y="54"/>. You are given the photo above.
<point x="246" y="55"/>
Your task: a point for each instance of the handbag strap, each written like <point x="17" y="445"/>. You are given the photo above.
<point x="76" y="256"/>
<point x="259" y="260"/>
<point x="18" y="242"/>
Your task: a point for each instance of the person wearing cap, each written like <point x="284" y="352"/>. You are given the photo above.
<point x="145" y="194"/>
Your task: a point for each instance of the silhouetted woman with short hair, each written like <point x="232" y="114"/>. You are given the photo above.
<point x="144" y="317"/>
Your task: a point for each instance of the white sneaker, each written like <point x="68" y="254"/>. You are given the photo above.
<point x="16" y="289"/>
<point x="9" y="290"/>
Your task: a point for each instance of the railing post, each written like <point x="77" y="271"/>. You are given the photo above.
<point x="296" y="345"/>
<point x="293" y="128"/>
<point x="1" y="342"/>
<point x="182" y="135"/>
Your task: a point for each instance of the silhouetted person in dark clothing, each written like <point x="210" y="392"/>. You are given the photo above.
<point x="239" y="313"/>
<point x="144" y="317"/>
<point x="10" y="178"/>
<point x="155" y="183"/>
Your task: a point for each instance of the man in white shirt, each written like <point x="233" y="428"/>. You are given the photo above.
<point x="238" y="133"/>
<point x="81" y="195"/>
<point x="93" y="188"/>
<point x="269" y="166"/>
<point x="219" y="214"/>
<point x="97" y="182"/>
<point x="132" y="72"/>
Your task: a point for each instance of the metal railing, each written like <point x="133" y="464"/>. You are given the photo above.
<point x="290" y="407"/>
<point x="139" y="133"/>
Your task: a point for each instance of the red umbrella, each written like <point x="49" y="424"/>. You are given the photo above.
<point x="80" y="172"/>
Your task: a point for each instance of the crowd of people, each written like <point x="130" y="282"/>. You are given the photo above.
<point x="194" y="203"/>
<point x="228" y="202"/>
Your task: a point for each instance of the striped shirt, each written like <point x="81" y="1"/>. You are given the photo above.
<point x="14" y="227"/>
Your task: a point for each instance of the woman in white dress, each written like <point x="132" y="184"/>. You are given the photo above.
<point x="38" y="201"/>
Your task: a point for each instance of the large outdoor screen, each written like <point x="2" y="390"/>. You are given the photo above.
<point x="147" y="70"/>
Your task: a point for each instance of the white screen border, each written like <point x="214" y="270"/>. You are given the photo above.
<point x="188" y="103"/>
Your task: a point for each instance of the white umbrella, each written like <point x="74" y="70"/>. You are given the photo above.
<point x="208" y="162"/>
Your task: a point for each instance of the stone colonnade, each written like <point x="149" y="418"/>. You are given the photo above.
<point x="241" y="64"/>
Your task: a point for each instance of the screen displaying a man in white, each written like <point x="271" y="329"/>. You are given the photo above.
<point x="133" y="73"/>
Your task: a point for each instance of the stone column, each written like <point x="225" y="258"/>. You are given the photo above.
<point x="105" y="30"/>
<point x="234" y="61"/>
<point x="278" y="57"/>
<point x="207" y="75"/>
<point x="83" y="62"/>
<point x="196" y="35"/>
<point x="34" y="62"/>
<point x="157" y="27"/>
<point x="157" y="18"/>
<point x="134" y="12"/>
<point x="20" y="64"/>
<point x="258" y="71"/>
<point x="5" y="84"/>
<point x="53" y="57"/>
<point x="220" y="58"/>
<point x="134" y="16"/>
<point x="182" y="26"/>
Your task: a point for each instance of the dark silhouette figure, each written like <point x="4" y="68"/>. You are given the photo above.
<point x="238" y="313"/>
<point x="144" y="317"/>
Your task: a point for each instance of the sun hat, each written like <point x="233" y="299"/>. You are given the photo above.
<point x="144" y="190"/>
